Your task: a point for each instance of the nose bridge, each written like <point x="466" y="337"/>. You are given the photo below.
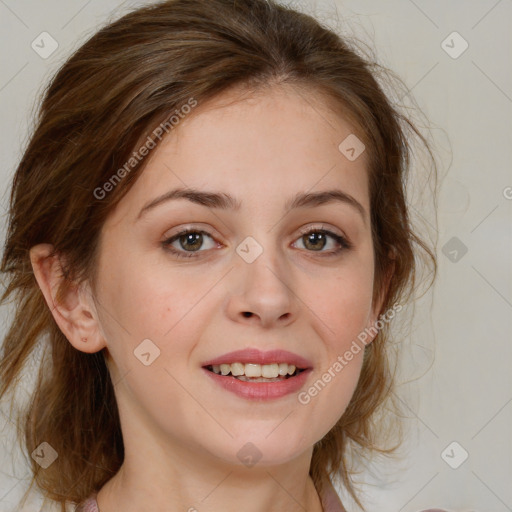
<point x="261" y="226"/>
<point x="260" y="255"/>
<point x="263" y="287"/>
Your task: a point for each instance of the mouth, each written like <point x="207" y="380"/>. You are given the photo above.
<point x="253" y="372"/>
<point x="255" y="375"/>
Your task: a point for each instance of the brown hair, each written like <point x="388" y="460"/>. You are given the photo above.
<point x="107" y="98"/>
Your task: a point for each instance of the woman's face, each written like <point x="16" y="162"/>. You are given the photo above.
<point x="245" y="278"/>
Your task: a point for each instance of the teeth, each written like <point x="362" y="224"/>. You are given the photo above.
<point x="258" y="379"/>
<point x="268" y="371"/>
<point x="237" y="369"/>
<point x="252" y="370"/>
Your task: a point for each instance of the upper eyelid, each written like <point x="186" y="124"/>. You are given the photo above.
<point x="302" y="231"/>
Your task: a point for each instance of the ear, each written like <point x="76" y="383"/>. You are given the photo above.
<point x="382" y="295"/>
<point x="75" y="313"/>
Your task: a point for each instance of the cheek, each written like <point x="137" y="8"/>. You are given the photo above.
<point x="152" y="303"/>
<point x="328" y="395"/>
<point x="344" y="317"/>
<point x="343" y="307"/>
<point x="343" y="303"/>
<point x="148" y="312"/>
<point x="144" y="299"/>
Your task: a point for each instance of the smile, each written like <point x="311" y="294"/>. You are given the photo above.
<point x="255" y="375"/>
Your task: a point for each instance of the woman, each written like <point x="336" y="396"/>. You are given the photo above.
<point x="210" y="227"/>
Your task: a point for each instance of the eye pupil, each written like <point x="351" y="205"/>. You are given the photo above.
<point x="189" y="237"/>
<point x="315" y="237"/>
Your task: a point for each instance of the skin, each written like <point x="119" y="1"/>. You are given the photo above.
<point x="182" y="432"/>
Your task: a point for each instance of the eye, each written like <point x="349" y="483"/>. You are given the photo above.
<point x="316" y="239"/>
<point x="190" y="241"/>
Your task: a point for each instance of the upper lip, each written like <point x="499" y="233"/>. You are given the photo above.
<point x="253" y="355"/>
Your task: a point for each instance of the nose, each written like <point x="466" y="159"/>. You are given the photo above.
<point x="262" y="292"/>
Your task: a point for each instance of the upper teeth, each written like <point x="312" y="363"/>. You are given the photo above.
<point x="255" y="370"/>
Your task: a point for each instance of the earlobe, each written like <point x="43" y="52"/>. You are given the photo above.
<point x="74" y="313"/>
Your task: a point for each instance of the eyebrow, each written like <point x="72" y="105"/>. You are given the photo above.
<point x="224" y="201"/>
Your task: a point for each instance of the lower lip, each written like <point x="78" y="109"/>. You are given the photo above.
<point x="260" y="390"/>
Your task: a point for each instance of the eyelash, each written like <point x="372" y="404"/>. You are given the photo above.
<point x="341" y="240"/>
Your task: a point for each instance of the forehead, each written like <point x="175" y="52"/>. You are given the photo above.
<point x="267" y="144"/>
<point x="275" y="117"/>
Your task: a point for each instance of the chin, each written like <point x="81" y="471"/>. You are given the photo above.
<point x="259" y="447"/>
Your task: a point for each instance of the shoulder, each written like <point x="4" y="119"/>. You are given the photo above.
<point x="329" y="498"/>
<point x="88" y="505"/>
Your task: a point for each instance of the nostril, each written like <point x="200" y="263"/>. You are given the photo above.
<point x="247" y="314"/>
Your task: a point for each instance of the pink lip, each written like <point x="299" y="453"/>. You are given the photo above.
<point x="253" y="355"/>
<point x="260" y="390"/>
